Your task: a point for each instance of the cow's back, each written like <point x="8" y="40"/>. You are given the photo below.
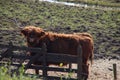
<point x="63" y="45"/>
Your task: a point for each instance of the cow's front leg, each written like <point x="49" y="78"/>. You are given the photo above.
<point x="37" y="71"/>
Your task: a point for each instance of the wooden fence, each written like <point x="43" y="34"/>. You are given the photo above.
<point x="44" y="57"/>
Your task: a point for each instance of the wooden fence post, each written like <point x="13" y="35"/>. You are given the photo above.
<point x="115" y="71"/>
<point x="8" y="52"/>
<point x="44" y="51"/>
<point x="70" y="66"/>
<point x="79" y="62"/>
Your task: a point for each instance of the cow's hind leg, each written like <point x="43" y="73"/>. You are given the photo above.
<point x="85" y="72"/>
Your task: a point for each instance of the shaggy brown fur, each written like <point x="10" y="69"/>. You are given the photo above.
<point x="91" y="42"/>
<point x="84" y="35"/>
<point x="61" y="43"/>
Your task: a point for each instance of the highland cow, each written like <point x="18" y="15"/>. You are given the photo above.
<point x="61" y="43"/>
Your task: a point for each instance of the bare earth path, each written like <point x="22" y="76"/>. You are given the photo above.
<point x="102" y="69"/>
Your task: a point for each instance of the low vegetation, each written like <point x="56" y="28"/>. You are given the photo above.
<point x="5" y="74"/>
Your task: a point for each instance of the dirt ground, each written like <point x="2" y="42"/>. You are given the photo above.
<point x="102" y="69"/>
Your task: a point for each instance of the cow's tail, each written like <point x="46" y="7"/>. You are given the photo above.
<point x="91" y="55"/>
<point x="91" y="58"/>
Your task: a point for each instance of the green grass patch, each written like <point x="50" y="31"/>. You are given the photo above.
<point x="6" y="74"/>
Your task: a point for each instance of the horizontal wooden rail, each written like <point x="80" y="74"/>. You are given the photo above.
<point x="57" y="57"/>
<point x="59" y="78"/>
<point x="21" y="48"/>
<point x="51" y="77"/>
<point x="43" y="58"/>
<point x="61" y="58"/>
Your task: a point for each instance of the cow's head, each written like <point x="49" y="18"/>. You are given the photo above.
<point x="32" y="34"/>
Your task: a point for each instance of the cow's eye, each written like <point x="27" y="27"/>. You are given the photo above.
<point x="42" y="34"/>
<point x="31" y="35"/>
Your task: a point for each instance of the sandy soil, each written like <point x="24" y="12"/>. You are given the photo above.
<point x="102" y="69"/>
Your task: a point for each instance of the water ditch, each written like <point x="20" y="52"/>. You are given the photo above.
<point x="82" y="5"/>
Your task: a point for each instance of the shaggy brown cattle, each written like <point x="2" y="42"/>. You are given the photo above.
<point x="61" y="43"/>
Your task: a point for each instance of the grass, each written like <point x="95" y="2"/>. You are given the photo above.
<point x="5" y="74"/>
<point x="102" y="24"/>
<point x="107" y="3"/>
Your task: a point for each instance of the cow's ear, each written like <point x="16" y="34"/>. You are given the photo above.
<point x="24" y="32"/>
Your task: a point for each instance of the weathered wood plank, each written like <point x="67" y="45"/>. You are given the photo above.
<point x="51" y="77"/>
<point x="21" y="48"/>
<point x="115" y="71"/>
<point x="59" y="78"/>
<point x="55" y="57"/>
<point x="44" y="61"/>
<point x="79" y="61"/>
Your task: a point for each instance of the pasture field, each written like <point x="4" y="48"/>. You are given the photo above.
<point x="107" y="3"/>
<point x="104" y="25"/>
